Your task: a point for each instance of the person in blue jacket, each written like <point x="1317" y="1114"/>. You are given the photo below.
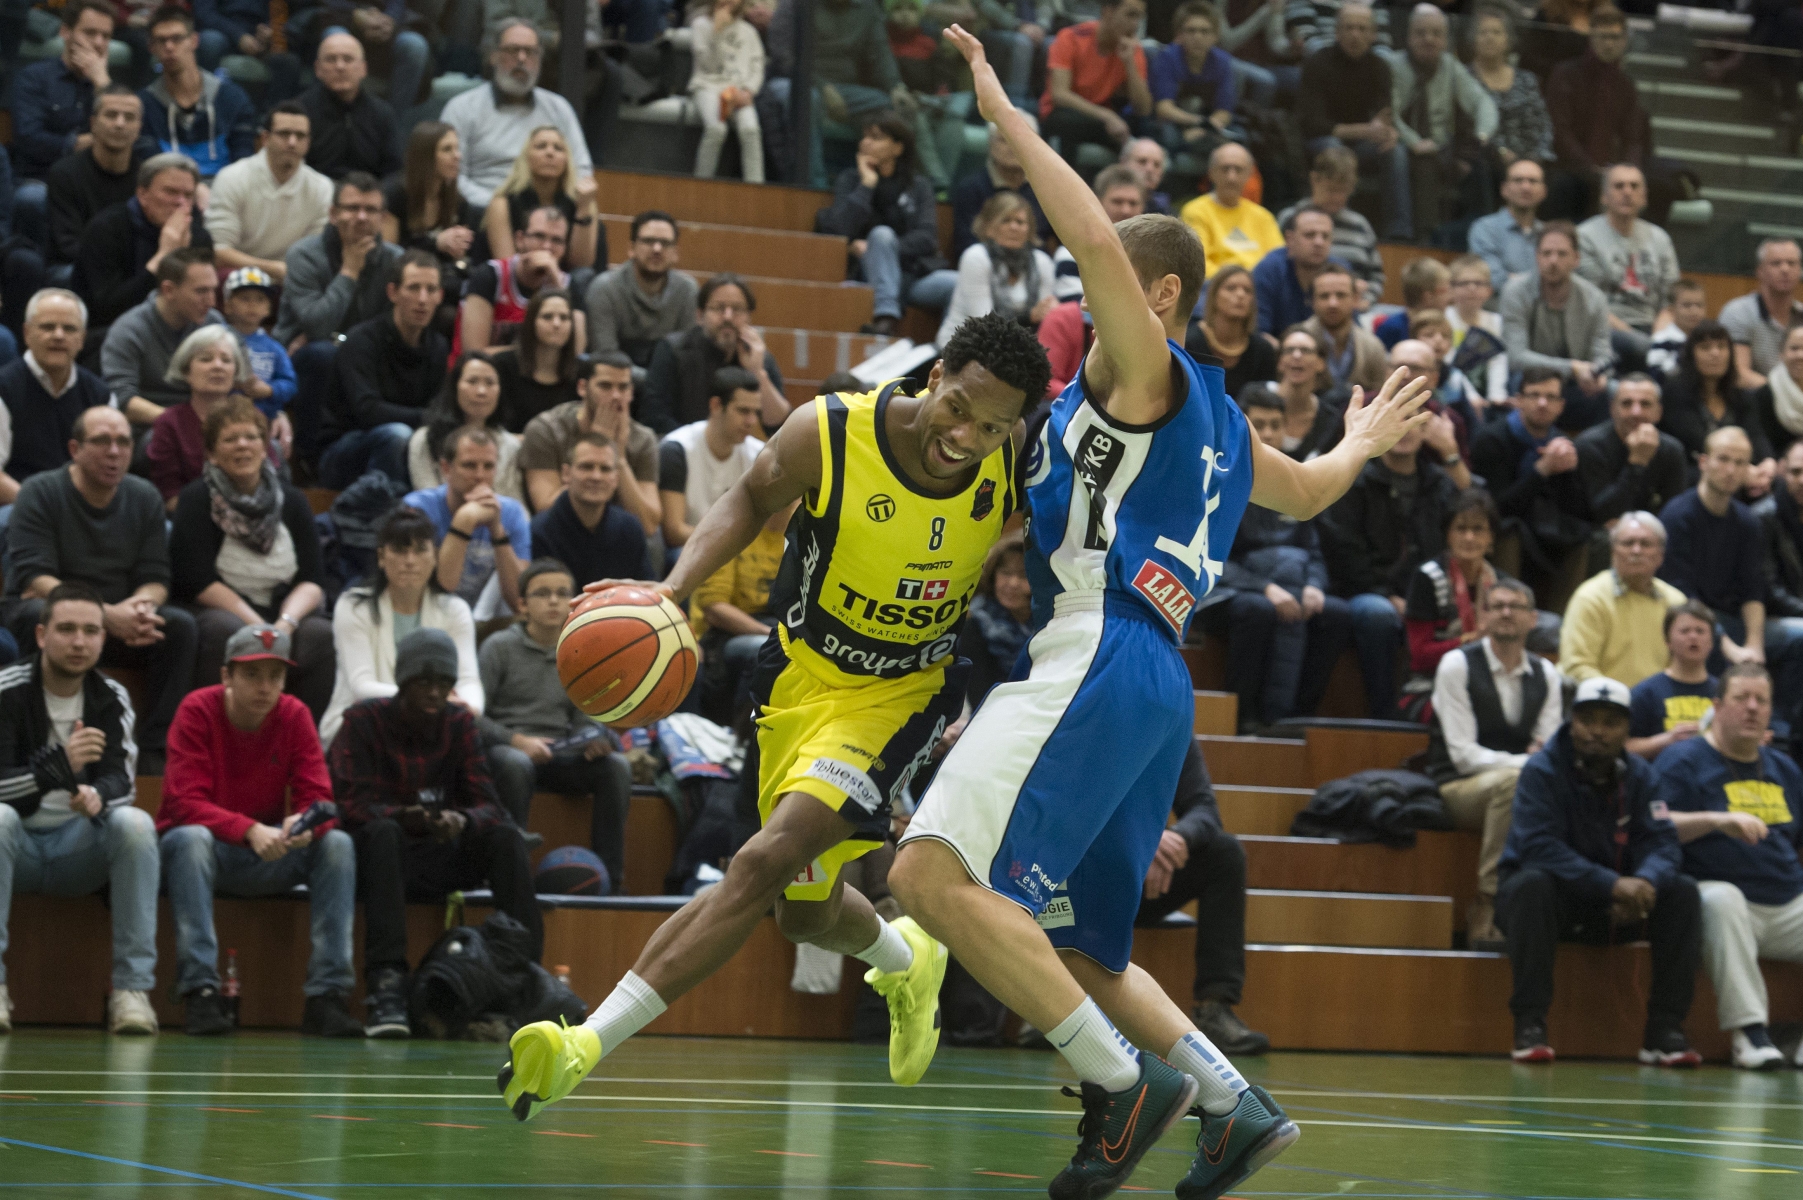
<point x="1592" y="855"/>
<point x="189" y="110"/>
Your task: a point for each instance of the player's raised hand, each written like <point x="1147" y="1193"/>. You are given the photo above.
<point x="1386" y="418"/>
<point x="991" y="99"/>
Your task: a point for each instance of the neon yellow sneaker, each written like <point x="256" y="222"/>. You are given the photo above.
<point x="913" y="997"/>
<point x="548" y="1062"/>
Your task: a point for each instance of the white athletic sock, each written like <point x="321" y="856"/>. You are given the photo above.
<point x="630" y="1007"/>
<point x="890" y="952"/>
<point x="1197" y="1057"/>
<point x="1095" y="1049"/>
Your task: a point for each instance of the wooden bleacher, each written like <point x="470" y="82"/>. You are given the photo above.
<point x="1350" y="946"/>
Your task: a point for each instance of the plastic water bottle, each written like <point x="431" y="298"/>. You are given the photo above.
<point x="229" y="990"/>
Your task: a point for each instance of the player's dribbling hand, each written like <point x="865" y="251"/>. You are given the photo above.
<point x="1386" y="418"/>
<point x="991" y="99"/>
<point x="601" y="585"/>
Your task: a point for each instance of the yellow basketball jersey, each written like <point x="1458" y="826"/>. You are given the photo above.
<point x="878" y="575"/>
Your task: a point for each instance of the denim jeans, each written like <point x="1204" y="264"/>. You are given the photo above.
<point x="1376" y="637"/>
<point x="196" y="865"/>
<point x="31" y="202"/>
<point x="78" y="858"/>
<point x="607" y="779"/>
<point x="1393" y="165"/>
<point x="383" y="449"/>
<point x="881" y="268"/>
<point x="1278" y="669"/>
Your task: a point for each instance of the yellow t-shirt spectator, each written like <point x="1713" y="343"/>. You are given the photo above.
<point x="1243" y="234"/>
<point x="744" y="582"/>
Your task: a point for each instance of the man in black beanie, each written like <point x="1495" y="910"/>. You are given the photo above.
<point x="414" y="791"/>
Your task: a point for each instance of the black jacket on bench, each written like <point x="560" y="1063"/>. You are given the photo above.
<point x="30" y="766"/>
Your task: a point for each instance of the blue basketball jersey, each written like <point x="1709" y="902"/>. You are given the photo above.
<point x="1146" y="512"/>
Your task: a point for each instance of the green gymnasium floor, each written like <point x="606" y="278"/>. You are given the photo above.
<point x="269" y="1115"/>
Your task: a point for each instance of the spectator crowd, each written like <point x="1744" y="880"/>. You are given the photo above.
<point x="226" y="283"/>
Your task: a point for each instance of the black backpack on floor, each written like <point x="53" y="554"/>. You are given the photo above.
<point x="481" y="985"/>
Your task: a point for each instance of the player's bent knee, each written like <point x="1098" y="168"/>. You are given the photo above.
<point x="803" y="921"/>
<point x="764" y="866"/>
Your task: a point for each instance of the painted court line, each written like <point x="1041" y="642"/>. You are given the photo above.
<point x="126" y="1162"/>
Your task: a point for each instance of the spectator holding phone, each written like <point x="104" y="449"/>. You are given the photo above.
<point x="413" y="784"/>
<point x="237" y="751"/>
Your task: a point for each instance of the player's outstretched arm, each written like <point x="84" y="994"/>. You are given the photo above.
<point x="786" y="469"/>
<point x="1302" y="490"/>
<point x="1135" y="379"/>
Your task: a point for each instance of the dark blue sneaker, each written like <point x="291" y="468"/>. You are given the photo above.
<point x="1232" y="1147"/>
<point x="1119" y="1127"/>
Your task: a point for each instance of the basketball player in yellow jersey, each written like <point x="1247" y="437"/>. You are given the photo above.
<point x="903" y="497"/>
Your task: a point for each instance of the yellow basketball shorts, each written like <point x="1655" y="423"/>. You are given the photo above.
<point x="852" y="748"/>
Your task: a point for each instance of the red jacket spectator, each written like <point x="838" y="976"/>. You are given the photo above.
<point x="226" y="779"/>
<point x="1066" y="335"/>
<point x="1096" y="77"/>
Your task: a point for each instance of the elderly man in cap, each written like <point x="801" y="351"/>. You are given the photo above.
<point x="414" y="790"/>
<point x="1593" y="857"/>
<point x="238" y="750"/>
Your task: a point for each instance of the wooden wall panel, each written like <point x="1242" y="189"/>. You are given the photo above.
<point x="839" y="307"/>
<point x="1337" y="753"/>
<point x="1247" y="809"/>
<point x="1342" y="919"/>
<point x="1217" y="713"/>
<point x="720" y="201"/>
<point x="1267" y="761"/>
<point x="814" y="354"/>
<point x="1441" y="864"/>
<point x="707" y="248"/>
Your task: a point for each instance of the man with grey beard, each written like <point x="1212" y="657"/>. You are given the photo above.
<point x="493" y="122"/>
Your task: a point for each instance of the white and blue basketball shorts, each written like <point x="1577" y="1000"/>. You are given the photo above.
<point x="1060" y="788"/>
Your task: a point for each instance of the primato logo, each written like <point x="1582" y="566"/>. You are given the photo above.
<point x="879" y="508"/>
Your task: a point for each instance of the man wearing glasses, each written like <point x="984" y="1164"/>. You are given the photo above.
<point x="644" y="298"/>
<point x="492" y="123"/>
<point x="1495" y="704"/>
<point x="264" y="204"/>
<point x="499" y="290"/>
<point x="92" y="522"/>
<point x="536" y="738"/>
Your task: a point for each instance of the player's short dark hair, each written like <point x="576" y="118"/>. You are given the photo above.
<point x="1508" y="583"/>
<point x="71" y="591"/>
<point x="725" y="279"/>
<point x="1744" y="670"/>
<point x="1117" y="176"/>
<point x="1473" y="499"/>
<point x="728" y="380"/>
<point x="1006" y="349"/>
<point x="397" y="274"/>
<point x="1303" y="210"/>
<point x="1259" y="395"/>
<point x="454" y="440"/>
<point x="71" y="14"/>
<point x="543" y="566"/>
<point x="175" y="264"/>
<point x="1159" y="245"/>
<point x="1564" y="229"/>
<point x="361" y="181"/>
<point x="287" y="108"/>
<point x="1539" y="375"/>
<point x="585" y="366"/>
<point x="1690" y="608"/>
<point x="1333" y="268"/>
<point x="655" y="214"/>
<point x="171" y="12"/>
<point x="599" y="441"/>
<point x="116" y="89"/>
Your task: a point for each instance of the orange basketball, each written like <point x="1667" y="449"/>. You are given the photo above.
<point x="626" y="656"/>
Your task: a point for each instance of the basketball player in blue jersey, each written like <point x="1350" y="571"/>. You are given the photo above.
<point x="1027" y="854"/>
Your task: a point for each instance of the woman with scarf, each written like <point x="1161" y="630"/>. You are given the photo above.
<point x="1780" y="401"/>
<point x="1227" y="330"/>
<point x="1702" y="396"/>
<point x="1001" y="617"/>
<point x="1002" y="271"/>
<point x="243" y="551"/>
<point x="213" y="364"/>
<point x="1447" y="594"/>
